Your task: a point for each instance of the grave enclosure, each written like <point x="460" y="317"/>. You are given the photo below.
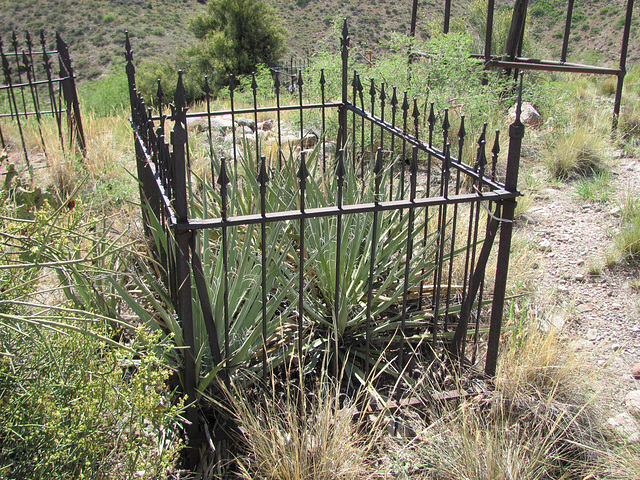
<point x="290" y="221"/>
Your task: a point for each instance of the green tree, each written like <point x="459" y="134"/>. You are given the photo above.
<point x="235" y="36"/>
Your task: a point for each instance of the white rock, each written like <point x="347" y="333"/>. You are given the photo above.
<point x="592" y="334"/>
<point x="632" y="402"/>
<point x="625" y="426"/>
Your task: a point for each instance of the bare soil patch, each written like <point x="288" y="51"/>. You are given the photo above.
<point x="597" y="306"/>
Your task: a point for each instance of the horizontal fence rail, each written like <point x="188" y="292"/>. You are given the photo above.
<point x="351" y="233"/>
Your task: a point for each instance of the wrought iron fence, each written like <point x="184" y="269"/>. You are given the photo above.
<point x="279" y="243"/>
<point x="32" y="88"/>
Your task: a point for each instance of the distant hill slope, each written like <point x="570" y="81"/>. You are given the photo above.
<point x="94" y="29"/>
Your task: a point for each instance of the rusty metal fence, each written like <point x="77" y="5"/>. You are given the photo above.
<point x="33" y="89"/>
<point x="366" y="243"/>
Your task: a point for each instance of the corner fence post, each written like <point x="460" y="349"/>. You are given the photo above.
<point x="516" y="133"/>
<point x="70" y="96"/>
<point x="622" y="70"/>
<point x="183" y="272"/>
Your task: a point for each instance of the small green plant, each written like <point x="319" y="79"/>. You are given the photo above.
<point x="628" y="239"/>
<point x="596" y="188"/>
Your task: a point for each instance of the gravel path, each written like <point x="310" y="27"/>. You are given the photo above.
<point x="600" y="311"/>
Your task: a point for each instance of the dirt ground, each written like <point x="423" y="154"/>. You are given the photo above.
<point x="598" y="307"/>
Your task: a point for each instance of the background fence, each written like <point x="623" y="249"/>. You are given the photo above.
<point x="280" y="245"/>
<point x="31" y="89"/>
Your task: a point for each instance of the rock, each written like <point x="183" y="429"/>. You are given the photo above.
<point x="222" y="124"/>
<point x="579" y="277"/>
<point x="625" y="426"/>
<point x="246" y="122"/>
<point x="544" y="246"/>
<point x="584" y="307"/>
<point x="197" y="124"/>
<point x="267" y="125"/>
<point x="592" y="334"/>
<point x="529" y="115"/>
<point x="635" y="371"/>
<point x="632" y="402"/>
<point x="615" y="211"/>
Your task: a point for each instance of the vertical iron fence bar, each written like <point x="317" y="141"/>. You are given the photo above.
<point x="394" y="110"/>
<point x="8" y="90"/>
<point x="340" y="173"/>
<point x="354" y="84"/>
<point x="567" y="32"/>
<point x="52" y="94"/>
<point x="302" y="175"/>
<point x="185" y="311"/>
<point x="383" y="97"/>
<point x="324" y="124"/>
<point x="223" y="181"/>
<point x="234" y="175"/>
<point x="25" y="61"/>
<point x="405" y="113"/>
<point x="14" y="44"/>
<point x="461" y="135"/>
<point x="12" y="98"/>
<point x="622" y="69"/>
<point x="474" y="208"/>
<point x="377" y="170"/>
<point x="447" y="14"/>
<point x="431" y="120"/>
<point x="33" y="70"/>
<point x="254" y="90"/>
<point x="360" y="89"/>
<point x="263" y="179"/>
<point x="276" y="87"/>
<point x="442" y="228"/>
<point x="413" y="170"/>
<point x="439" y="238"/>
<point x="68" y="84"/>
<point x="301" y="109"/>
<point x="207" y="92"/>
<point x="342" y="112"/>
<point x="161" y="116"/>
<point x="516" y="133"/>
<point x="372" y="95"/>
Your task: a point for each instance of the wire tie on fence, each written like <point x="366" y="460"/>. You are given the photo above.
<point x="499" y="219"/>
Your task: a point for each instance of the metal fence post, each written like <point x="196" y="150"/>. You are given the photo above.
<point x="70" y="95"/>
<point x="183" y="272"/>
<point x="516" y="133"/>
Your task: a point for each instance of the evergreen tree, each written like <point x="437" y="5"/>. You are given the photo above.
<point x="234" y="37"/>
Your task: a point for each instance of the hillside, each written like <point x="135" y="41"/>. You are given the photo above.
<point x="94" y="29"/>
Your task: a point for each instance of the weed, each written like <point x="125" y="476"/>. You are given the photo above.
<point x="596" y="188"/>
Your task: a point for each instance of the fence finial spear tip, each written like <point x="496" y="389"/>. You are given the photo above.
<point x="345" y="30"/>
<point x="263" y="178"/>
<point x="461" y="132"/>
<point x="223" y="178"/>
<point x="496" y="144"/>
<point x="377" y="168"/>
<point x="340" y="170"/>
<point x="445" y="123"/>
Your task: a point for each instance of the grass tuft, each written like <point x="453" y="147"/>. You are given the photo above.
<point x="539" y="421"/>
<point x="289" y="439"/>
<point x="580" y="153"/>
